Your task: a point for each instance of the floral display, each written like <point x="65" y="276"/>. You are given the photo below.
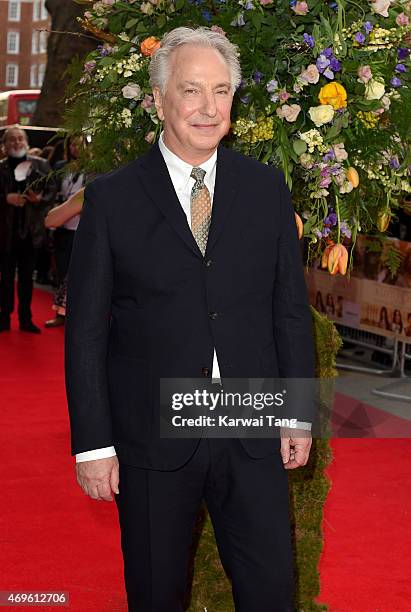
<point x="325" y="95"/>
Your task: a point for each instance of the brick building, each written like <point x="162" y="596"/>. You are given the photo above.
<point x="23" y="46"/>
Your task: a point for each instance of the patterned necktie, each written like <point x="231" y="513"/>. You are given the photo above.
<point x="200" y="209"/>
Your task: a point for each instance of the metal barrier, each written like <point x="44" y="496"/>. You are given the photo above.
<point x="400" y="353"/>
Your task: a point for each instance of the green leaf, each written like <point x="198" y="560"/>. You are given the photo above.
<point x="299" y="146"/>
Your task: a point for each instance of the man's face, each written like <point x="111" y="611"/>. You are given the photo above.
<point x="196" y="106"/>
<point x="16" y="144"/>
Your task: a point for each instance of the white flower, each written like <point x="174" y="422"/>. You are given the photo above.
<point x="132" y="91"/>
<point x="321" y="114"/>
<point x="374" y="90"/>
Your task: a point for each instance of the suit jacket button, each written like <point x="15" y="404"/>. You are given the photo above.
<point x="205" y="371"/>
<point x="208" y="262"/>
<point x="213" y="315"/>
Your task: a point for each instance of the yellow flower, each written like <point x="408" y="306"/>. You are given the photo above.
<point x="333" y="94"/>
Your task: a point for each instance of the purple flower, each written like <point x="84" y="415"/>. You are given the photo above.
<point x="368" y="26"/>
<point x="327" y="52"/>
<point x="325" y="171"/>
<point x="293" y="3"/>
<point x="331" y="219"/>
<point x="400" y="68"/>
<point x="333" y="5"/>
<point x="325" y="182"/>
<point x="328" y="74"/>
<point x="272" y="85"/>
<point x="330" y="155"/>
<point x="325" y="232"/>
<point x="309" y="40"/>
<point x="345" y="230"/>
<point x="322" y="62"/>
<point x="335" y="65"/>
<point x="257" y="76"/>
<point x="245" y="99"/>
<point x="403" y="53"/>
<point x="394" y="163"/>
<point x="395" y="82"/>
<point x="359" y="37"/>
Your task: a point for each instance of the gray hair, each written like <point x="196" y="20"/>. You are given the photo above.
<point x="12" y="128"/>
<point x="159" y="69"/>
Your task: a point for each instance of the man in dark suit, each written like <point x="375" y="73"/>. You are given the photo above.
<point x="187" y="264"/>
<point x="23" y="203"/>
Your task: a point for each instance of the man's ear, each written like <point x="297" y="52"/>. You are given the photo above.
<point x="158" y="101"/>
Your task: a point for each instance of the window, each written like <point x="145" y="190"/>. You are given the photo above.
<point x="13" y="42"/>
<point x="14" y="10"/>
<point x="44" y="11"/>
<point x="37" y="10"/>
<point x="35" y="42"/>
<point x="12" y="75"/>
<point x="43" y="42"/>
<point x="33" y="75"/>
<point x="42" y="72"/>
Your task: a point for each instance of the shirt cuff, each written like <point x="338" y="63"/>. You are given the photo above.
<point x="303" y="425"/>
<point x="98" y="453"/>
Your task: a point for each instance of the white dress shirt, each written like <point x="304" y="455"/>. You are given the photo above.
<point x="180" y="174"/>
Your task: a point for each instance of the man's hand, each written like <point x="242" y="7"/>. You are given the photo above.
<point x="99" y="478"/>
<point x="33" y="197"/>
<point x="16" y="199"/>
<point x="295" y="450"/>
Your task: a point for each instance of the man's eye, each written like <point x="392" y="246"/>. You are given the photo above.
<point x="223" y="91"/>
<point x="190" y="91"/>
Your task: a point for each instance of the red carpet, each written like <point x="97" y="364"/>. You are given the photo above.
<point x="365" y="565"/>
<point x="54" y="539"/>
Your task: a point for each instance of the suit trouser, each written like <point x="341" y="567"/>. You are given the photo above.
<point x="21" y="256"/>
<point x="247" y="500"/>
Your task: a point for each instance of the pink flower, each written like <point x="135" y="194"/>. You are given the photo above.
<point x="265" y="2"/>
<point x="289" y="112"/>
<point x="381" y="7"/>
<point x="340" y="152"/>
<point x="310" y="74"/>
<point x="216" y="28"/>
<point x="283" y="96"/>
<point x="147" y="102"/>
<point x="402" y="19"/>
<point x="300" y="8"/>
<point x="364" y="73"/>
<point x="108" y="2"/>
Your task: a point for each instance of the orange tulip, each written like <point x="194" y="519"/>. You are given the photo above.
<point x="300" y="226"/>
<point x="326" y="252"/>
<point x="337" y="259"/>
<point x="149" y="45"/>
<point x="352" y="176"/>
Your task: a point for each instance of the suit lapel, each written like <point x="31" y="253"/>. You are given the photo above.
<point x="224" y="192"/>
<point x="159" y="186"/>
<point x="157" y="183"/>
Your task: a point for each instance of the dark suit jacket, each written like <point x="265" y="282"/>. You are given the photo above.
<point x="34" y="213"/>
<point x="143" y="303"/>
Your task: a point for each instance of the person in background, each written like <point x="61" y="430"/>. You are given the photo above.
<point x="396" y="325"/>
<point x="23" y="201"/>
<point x="35" y="152"/>
<point x="70" y="184"/>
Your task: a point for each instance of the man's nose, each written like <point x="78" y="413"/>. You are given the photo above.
<point x="209" y="106"/>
